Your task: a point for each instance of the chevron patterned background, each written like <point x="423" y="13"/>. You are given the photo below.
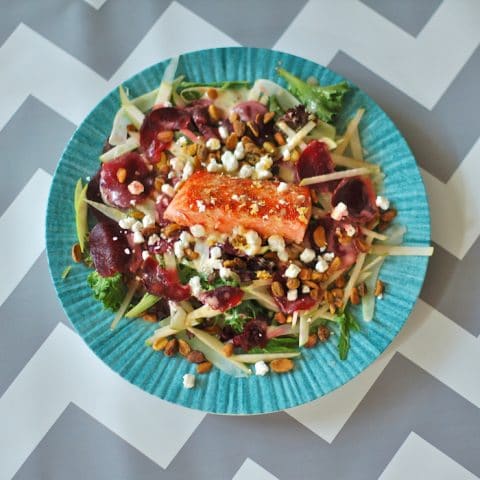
<point x="414" y="414"/>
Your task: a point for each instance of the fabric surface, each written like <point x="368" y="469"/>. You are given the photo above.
<point x="413" y="414"/>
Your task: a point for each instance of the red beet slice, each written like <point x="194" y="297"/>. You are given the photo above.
<point x="108" y="254"/>
<point x="222" y="298"/>
<point x="248" y="111"/>
<point x="358" y="195"/>
<point x="316" y="160"/>
<point x="303" y="302"/>
<point x="116" y="193"/>
<point x="162" y="282"/>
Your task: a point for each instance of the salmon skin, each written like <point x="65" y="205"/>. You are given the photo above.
<point x="220" y="203"/>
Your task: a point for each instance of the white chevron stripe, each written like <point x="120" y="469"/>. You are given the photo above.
<point x="23" y="232"/>
<point x="96" y="4"/>
<point x="417" y="458"/>
<point x="32" y="65"/>
<point x="455" y="205"/>
<point x="252" y="471"/>
<point x="421" y="67"/>
<point x="430" y="340"/>
<point x="64" y="370"/>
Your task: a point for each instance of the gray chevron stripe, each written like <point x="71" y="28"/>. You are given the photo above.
<point x="451" y="286"/>
<point x="33" y="138"/>
<point x="246" y="21"/>
<point x="410" y="15"/>
<point x="27" y="318"/>
<point x="441" y="138"/>
<point x="112" y="33"/>
<point x="78" y="447"/>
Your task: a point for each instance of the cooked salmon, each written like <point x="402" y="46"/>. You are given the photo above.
<point x="220" y="203"/>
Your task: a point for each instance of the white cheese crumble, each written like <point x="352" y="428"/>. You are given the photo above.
<point x="282" y="256"/>
<point x="213" y="144"/>
<point x="254" y="242"/>
<point x="181" y="141"/>
<point x="168" y="190"/>
<point x="321" y="265"/>
<point x="239" y="151"/>
<point x="153" y="239"/>
<point x="145" y="254"/>
<point x="177" y="164"/>
<point x="213" y="166"/>
<point x="127" y="251"/>
<point x="328" y="257"/>
<point x="350" y="230"/>
<point x="246" y="171"/>
<point x="197" y="231"/>
<point x="223" y="132"/>
<point x="276" y="243"/>
<point x="382" y="202"/>
<point x="261" y="368"/>
<point x="195" y="286"/>
<point x="215" y="253"/>
<point x="229" y="161"/>
<point x="137" y="226"/>
<point x="136" y="187"/>
<point x="307" y="256"/>
<point x="148" y="221"/>
<point x="126" y="223"/>
<point x="138" y="237"/>
<point x="225" y="273"/>
<point x="292" y="295"/>
<point x="200" y="205"/>
<point x="262" y="167"/>
<point x="188" y="169"/>
<point x="189" y="380"/>
<point x="292" y="271"/>
<point x="339" y="211"/>
<point x="178" y="249"/>
<point x="305" y="289"/>
<point x="285" y="152"/>
<point x="282" y="187"/>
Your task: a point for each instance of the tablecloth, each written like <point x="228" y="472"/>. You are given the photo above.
<point x="414" y="414"/>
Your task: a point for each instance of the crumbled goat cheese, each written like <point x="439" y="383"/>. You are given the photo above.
<point x="305" y="289"/>
<point x="307" y="256"/>
<point x="137" y="226"/>
<point x="246" y="171"/>
<point x="282" y="187"/>
<point x="168" y="190"/>
<point x="138" y="237"/>
<point x="229" y="161"/>
<point x="262" y="167"/>
<point x="195" y="286"/>
<point x="148" y="221"/>
<point x="215" y="253"/>
<point x="188" y="169"/>
<point x="382" y="202"/>
<point x="181" y="141"/>
<point x="276" y="243"/>
<point x="321" y="265"/>
<point x="339" y="211"/>
<point x="328" y="257"/>
<point x="189" y="380"/>
<point x="153" y="239"/>
<point x="261" y="368"/>
<point x="292" y="271"/>
<point x="213" y="166"/>
<point x="126" y="223"/>
<point x="292" y="295"/>
<point x="213" y="144"/>
<point x="254" y="242"/>
<point x="223" y="132"/>
<point x="197" y="231"/>
<point x="225" y="273"/>
<point x="350" y="230"/>
<point x="145" y="254"/>
<point x="136" y="187"/>
<point x="239" y="151"/>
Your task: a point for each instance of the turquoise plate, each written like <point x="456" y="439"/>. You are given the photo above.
<point x="319" y="370"/>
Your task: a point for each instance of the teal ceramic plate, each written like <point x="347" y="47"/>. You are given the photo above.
<point x="319" y="370"/>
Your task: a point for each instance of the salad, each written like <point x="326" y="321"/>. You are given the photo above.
<point x="237" y="219"/>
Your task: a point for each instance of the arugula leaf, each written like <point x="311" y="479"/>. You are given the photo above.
<point x="278" y="345"/>
<point x="222" y="85"/>
<point x="346" y="323"/>
<point x="238" y="316"/>
<point x="325" y="101"/>
<point x="185" y="273"/>
<point x="109" y="290"/>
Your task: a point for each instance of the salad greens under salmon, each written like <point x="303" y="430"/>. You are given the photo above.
<point x="235" y="217"/>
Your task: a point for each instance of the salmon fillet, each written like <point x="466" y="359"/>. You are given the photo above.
<point x="220" y="203"/>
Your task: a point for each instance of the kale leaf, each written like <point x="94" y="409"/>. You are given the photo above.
<point x="109" y="290"/>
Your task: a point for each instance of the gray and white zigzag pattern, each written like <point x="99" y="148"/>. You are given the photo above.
<point x="413" y="414"/>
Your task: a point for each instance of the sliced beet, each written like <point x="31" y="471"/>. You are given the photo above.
<point x="201" y="118"/>
<point x="254" y="335"/>
<point x="162" y="282"/>
<point x="303" y="302"/>
<point x="116" y="193"/>
<point x="316" y="160"/>
<point x="248" y="111"/>
<point x="358" y="194"/>
<point x="222" y="298"/>
<point x="107" y="248"/>
<point x="160" y="120"/>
